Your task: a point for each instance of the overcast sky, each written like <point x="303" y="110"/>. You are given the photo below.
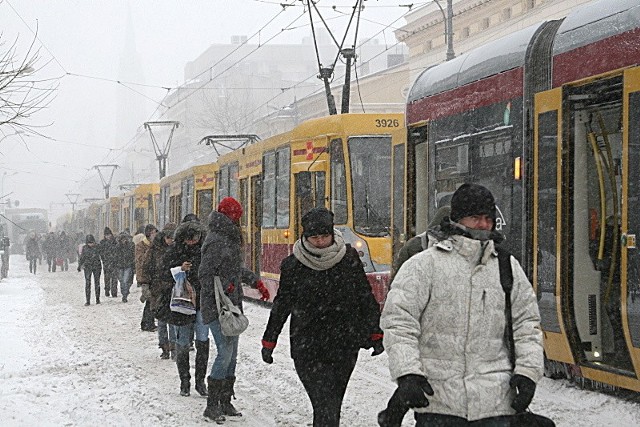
<point x="81" y="42"/>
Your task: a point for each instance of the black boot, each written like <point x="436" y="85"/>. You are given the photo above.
<point x="214" y="409"/>
<point x="225" y="399"/>
<point x="165" y="351"/>
<point x="202" y="360"/>
<point x="182" y="361"/>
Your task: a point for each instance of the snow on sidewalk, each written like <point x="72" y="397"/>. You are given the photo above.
<point x="62" y="363"/>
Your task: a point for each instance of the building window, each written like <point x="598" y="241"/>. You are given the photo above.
<point x="506" y="14"/>
<point x="428" y="46"/>
<point x="530" y="4"/>
<point x="485" y="23"/>
<point x="465" y="32"/>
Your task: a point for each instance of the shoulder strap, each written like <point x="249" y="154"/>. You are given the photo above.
<point x="506" y="280"/>
<point x="424" y="240"/>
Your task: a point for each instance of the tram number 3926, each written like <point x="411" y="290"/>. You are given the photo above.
<point x="387" y="123"/>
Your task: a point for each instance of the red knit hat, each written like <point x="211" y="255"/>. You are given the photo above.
<point x="231" y="208"/>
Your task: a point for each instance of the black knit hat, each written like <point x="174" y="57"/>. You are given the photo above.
<point x="472" y="199"/>
<point x="317" y="221"/>
<point x="107" y="231"/>
<point x="89" y="239"/>
<point x="148" y="229"/>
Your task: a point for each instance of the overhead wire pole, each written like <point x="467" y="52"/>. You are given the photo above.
<point x="447" y="18"/>
<point x="73" y="199"/>
<point x="162" y="153"/>
<point x="218" y="140"/>
<point x="106" y="184"/>
<point x="325" y="72"/>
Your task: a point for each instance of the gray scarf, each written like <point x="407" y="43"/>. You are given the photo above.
<point x="320" y="259"/>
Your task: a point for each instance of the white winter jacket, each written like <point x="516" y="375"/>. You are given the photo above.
<point x="444" y="318"/>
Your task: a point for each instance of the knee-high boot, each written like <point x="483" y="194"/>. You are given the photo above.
<point x="214" y="408"/>
<point x="182" y="361"/>
<point x="202" y="360"/>
<point x="225" y="400"/>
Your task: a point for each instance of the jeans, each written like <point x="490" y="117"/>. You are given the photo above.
<point x="224" y="365"/>
<point x="166" y="333"/>
<point x="126" y="279"/>
<point x="87" y="282"/>
<point x="110" y="280"/>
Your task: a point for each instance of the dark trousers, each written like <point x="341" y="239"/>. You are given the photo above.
<point x="326" y="382"/>
<point x="87" y="282"/>
<point x="440" y="420"/>
<point x="111" y="281"/>
<point x="33" y="264"/>
<point x="148" y="321"/>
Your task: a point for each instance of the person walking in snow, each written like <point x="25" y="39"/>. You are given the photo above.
<point x="323" y="286"/>
<point x="51" y="250"/>
<point x="90" y="261"/>
<point x="160" y="288"/>
<point x="444" y="326"/>
<point x="222" y="256"/>
<point x="125" y="262"/>
<point x="185" y="253"/>
<point x="108" y="254"/>
<point x="143" y="246"/>
<point x="32" y="251"/>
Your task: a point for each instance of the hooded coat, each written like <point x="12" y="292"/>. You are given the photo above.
<point x="175" y="256"/>
<point x="153" y="270"/>
<point x="222" y="256"/>
<point x="445" y="319"/>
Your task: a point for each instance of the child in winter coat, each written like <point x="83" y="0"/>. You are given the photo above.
<point x="90" y="260"/>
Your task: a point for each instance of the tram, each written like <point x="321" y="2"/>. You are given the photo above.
<point x="185" y="192"/>
<point x="139" y="207"/>
<point x="548" y="119"/>
<point x="342" y="162"/>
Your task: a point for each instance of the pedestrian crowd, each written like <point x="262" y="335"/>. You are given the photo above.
<point x="443" y="325"/>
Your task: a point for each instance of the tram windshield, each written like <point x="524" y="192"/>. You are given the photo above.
<point x="370" y="158"/>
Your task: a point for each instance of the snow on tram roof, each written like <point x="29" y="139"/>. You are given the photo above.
<point x="492" y="58"/>
<point x="596" y="21"/>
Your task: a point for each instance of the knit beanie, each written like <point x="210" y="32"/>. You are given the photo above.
<point x="169" y="228"/>
<point x="317" y="221"/>
<point x="190" y="217"/>
<point x="89" y="239"/>
<point x="107" y="231"/>
<point x="148" y="229"/>
<point x="472" y="199"/>
<point x="231" y="208"/>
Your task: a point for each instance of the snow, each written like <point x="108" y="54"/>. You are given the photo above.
<point x="62" y="363"/>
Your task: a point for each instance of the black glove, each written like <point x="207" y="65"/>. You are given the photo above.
<point x="378" y="348"/>
<point x="79" y="269"/>
<point x="393" y="415"/>
<point x="525" y="389"/>
<point x="412" y="389"/>
<point x="267" y="355"/>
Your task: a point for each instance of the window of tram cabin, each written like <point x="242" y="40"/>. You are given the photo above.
<point x="370" y="160"/>
<point x="338" y="183"/>
<point x="228" y="181"/>
<point x="187" y="195"/>
<point x="398" y="189"/>
<point x="204" y="200"/>
<point x="276" y="188"/>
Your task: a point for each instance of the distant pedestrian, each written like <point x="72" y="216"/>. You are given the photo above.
<point x="125" y="263"/>
<point x="142" y="247"/>
<point x="90" y="261"/>
<point x="32" y="251"/>
<point x="108" y="254"/>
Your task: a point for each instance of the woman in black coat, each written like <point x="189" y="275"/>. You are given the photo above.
<point x="90" y="260"/>
<point x="324" y="288"/>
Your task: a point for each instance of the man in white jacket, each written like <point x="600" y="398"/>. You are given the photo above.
<point x="444" y="325"/>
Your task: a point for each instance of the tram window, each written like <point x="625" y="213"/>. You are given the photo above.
<point x="187" y="195"/>
<point x="546" y="226"/>
<point x="319" y="189"/>
<point x="452" y="159"/>
<point x="338" y="183"/>
<point x="269" y="190"/>
<point x="282" y="188"/>
<point x="205" y="203"/>
<point x="233" y="181"/>
<point x="370" y="159"/>
<point x="398" y="188"/>
<point x="633" y="263"/>
<point x="223" y="183"/>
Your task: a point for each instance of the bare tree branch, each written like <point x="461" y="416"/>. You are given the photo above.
<point x="21" y="93"/>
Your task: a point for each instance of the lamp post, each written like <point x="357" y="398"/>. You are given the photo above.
<point x="448" y="27"/>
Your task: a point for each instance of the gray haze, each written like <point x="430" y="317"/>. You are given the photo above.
<point x="143" y="44"/>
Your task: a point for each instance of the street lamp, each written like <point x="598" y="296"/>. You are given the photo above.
<point x="448" y="27"/>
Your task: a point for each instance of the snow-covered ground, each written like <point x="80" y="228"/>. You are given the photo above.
<point x="62" y="363"/>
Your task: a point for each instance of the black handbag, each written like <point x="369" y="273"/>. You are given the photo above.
<point x="527" y="418"/>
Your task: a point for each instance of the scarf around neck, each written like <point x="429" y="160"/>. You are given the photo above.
<point x="320" y="259"/>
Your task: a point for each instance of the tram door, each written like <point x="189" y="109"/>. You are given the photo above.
<point x="310" y="193"/>
<point x="630" y="298"/>
<point x="255" y="222"/>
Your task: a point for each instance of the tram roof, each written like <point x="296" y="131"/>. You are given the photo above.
<point x="492" y="58"/>
<point x="596" y="21"/>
